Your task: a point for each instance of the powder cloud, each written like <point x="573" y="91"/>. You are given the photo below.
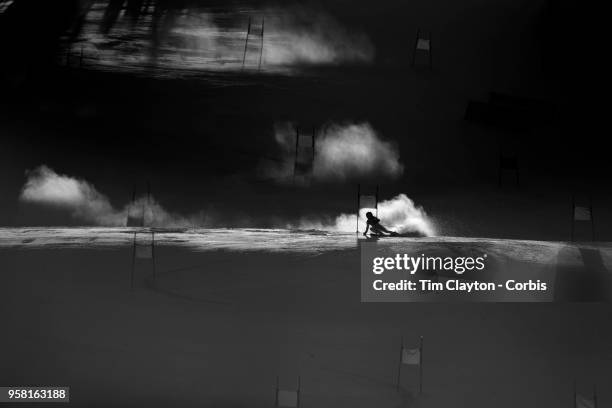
<point x="46" y="187"/>
<point x="202" y="38"/>
<point x="303" y="36"/>
<point x="355" y="151"/>
<point x="399" y="214"/>
<point x="343" y="152"/>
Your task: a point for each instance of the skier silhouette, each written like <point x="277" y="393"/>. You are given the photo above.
<point x="374" y="225"/>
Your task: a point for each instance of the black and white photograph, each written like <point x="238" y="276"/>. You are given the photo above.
<point x="303" y="204"/>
